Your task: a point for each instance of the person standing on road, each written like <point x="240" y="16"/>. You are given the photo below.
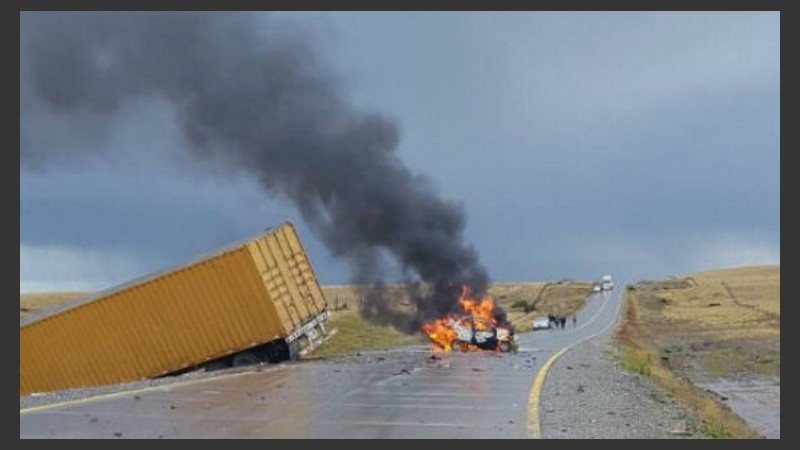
<point x="563" y="322"/>
<point x="574" y="320"/>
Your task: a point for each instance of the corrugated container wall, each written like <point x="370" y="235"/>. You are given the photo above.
<point x="243" y="296"/>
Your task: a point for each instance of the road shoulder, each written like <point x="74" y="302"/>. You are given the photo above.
<point x="586" y="396"/>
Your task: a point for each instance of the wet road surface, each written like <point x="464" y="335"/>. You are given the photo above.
<point x="402" y="393"/>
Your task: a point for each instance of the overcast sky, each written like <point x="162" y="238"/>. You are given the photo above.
<point x="578" y="144"/>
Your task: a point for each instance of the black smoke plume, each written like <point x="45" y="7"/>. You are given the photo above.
<point x="263" y="102"/>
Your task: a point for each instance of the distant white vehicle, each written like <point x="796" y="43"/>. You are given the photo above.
<point x="541" y="323"/>
<point x="607" y="283"/>
<point x="596" y="287"/>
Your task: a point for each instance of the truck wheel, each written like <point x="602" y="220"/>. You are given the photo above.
<point x="245" y="359"/>
<point x="505" y="347"/>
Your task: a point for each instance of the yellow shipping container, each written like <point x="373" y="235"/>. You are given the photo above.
<point x="256" y="300"/>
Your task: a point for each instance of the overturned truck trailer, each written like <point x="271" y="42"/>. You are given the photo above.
<point x="255" y="301"/>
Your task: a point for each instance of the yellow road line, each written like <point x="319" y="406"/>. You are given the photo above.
<point x="94" y="398"/>
<point x="534" y="428"/>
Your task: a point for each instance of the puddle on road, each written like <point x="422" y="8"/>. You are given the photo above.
<point x="758" y="401"/>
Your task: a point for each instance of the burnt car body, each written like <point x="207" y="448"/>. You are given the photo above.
<point x="474" y="333"/>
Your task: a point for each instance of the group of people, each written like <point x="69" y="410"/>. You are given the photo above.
<point x="561" y="321"/>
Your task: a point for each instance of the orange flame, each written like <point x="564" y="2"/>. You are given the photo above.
<point x="440" y="333"/>
<point x="481" y="311"/>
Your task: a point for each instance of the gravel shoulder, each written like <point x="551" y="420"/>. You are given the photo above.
<point x="586" y="396"/>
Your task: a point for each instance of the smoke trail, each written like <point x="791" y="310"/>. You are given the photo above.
<point x="262" y="103"/>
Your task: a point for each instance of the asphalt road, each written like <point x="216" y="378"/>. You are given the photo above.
<point x="402" y="393"/>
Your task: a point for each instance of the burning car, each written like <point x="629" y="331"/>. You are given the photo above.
<point x="477" y="329"/>
<point x="474" y="334"/>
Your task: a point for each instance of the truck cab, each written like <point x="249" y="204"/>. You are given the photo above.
<point x="607" y="283"/>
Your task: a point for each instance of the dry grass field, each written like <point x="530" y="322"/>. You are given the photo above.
<point x="354" y="334"/>
<point x="717" y="323"/>
<point x="710" y="325"/>
<point x="560" y="298"/>
<point x="724" y="304"/>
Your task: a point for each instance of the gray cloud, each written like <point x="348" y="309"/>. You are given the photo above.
<point x="644" y="144"/>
